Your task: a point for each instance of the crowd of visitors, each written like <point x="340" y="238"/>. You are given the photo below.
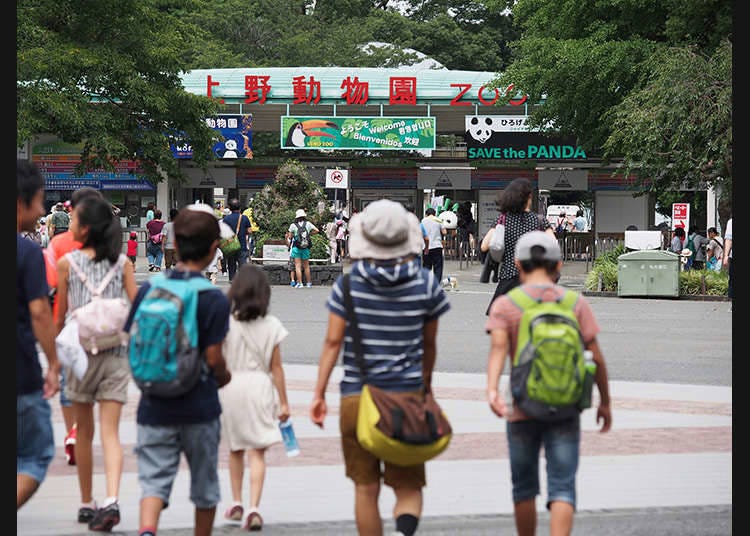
<point x="238" y="392"/>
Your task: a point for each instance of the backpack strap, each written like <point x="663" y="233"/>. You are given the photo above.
<point x="105" y="281"/>
<point x="523" y="301"/>
<point x="359" y="355"/>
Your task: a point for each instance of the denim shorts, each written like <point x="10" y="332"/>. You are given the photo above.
<point x="35" y="441"/>
<point x="158" y="449"/>
<point x="561" y="442"/>
<point x="64" y="400"/>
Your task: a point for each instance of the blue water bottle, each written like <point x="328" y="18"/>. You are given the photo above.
<point x="290" y="440"/>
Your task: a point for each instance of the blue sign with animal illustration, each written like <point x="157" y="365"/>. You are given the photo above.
<point x="235" y="141"/>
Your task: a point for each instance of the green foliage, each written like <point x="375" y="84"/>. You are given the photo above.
<point x="648" y="82"/>
<point x="691" y="283"/>
<point x="609" y="257"/>
<point x="274" y="206"/>
<point x="106" y="75"/>
<point x="704" y="282"/>
<point x="608" y="273"/>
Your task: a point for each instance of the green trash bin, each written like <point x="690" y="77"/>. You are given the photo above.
<point x="648" y="273"/>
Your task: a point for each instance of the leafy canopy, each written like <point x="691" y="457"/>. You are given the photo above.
<point x="106" y="74"/>
<point x="647" y="82"/>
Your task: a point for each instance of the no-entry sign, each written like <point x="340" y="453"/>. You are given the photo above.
<point x="337" y="178"/>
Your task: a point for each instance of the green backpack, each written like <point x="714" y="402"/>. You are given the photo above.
<point x="548" y="369"/>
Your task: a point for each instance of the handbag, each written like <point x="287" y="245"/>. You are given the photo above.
<point x="69" y="350"/>
<point x="402" y="428"/>
<point x="230" y="246"/>
<point x="497" y="241"/>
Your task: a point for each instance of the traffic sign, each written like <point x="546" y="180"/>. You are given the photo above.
<point x="337" y="178"/>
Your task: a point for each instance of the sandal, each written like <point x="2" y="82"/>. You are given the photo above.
<point x="254" y="521"/>
<point x="234" y="513"/>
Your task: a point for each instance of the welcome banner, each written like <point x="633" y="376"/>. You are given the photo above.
<point x="358" y="133"/>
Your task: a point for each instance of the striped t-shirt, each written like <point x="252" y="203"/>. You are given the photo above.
<point x="392" y="304"/>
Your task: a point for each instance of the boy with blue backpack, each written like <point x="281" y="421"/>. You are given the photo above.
<point x="550" y="334"/>
<point x="177" y="325"/>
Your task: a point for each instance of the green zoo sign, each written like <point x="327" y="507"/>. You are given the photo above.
<point x="381" y="133"/>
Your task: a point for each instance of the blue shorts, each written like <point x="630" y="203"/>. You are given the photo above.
<point x="35" y="441"/>
<point x="298" y="253"/>
<point x="561" y="442"/>
<point x="158" y="449"/>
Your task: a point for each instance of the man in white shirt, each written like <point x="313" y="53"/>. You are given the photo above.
<point x="433" y="258"/>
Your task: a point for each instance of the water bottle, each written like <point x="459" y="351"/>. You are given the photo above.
<point x="588" y="378"/>
<point x="290" y="440"/>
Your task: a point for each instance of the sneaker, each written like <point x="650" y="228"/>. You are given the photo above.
<point x="234" y="513"/>
<point x="105" y="518"/>
<point x="292" y="284"/>
<point x="254" y="521"/>
<point x="299" y="285"/>
<point x="308" y="285"/>
<point x="86" y="514"/>
<point x="70" y="445"/>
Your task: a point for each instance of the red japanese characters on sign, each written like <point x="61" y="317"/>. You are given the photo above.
<point x="306" y="92"/>
<point x="401" y="90"/>
<point x="355" y="92"/>
<point x="254" y="84"/>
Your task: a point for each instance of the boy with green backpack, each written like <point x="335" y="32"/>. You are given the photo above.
<point x="550" y="334"/>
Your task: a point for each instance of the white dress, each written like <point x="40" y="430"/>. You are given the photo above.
<point x="250" y="402"/>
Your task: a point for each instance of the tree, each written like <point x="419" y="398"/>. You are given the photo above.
<point x="676" y="131"/>
<point x="107" y="74"/>
<point x="619" y="75"/>
<point x="274" y="206"/>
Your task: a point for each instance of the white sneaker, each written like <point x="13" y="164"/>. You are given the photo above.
<point x="299" y="285"/>
<point x="308" y="285"/>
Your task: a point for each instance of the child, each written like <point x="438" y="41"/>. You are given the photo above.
<point x="538" y="259"/>
<point x="212" y="270"/>
<point x="133" y="247"/>
<point x="107" y="375"/>
<point x="189" y="424"/>
<point x="393" y="294"/>
<point x="256" y="399"/>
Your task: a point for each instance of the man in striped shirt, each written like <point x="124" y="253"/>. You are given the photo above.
<point x="397" y="304"/>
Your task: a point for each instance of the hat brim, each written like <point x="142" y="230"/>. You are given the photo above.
<point x="362" y="248"/>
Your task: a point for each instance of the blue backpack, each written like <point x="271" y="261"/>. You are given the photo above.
<point x="163" y="350"/>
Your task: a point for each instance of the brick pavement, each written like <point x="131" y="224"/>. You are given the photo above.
<point x="680" y="445"/>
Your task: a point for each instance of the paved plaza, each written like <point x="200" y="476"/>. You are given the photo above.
<point x="669" y="452"/>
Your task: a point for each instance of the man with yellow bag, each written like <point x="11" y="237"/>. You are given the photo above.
<point x="387" y="321"/>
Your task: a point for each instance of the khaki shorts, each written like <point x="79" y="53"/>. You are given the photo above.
<point x="107" y="377"/>
<point x="363" y="467"/>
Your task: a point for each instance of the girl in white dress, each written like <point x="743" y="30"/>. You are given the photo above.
<point x="255" y="400"/>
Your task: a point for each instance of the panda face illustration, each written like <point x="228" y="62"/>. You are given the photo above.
<point x="481" y="128"/>
<point x="450" y="219"/>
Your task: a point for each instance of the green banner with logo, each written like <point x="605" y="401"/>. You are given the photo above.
<point x="379" y="133"/>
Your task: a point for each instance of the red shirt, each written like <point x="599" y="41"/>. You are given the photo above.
<point x="132" y="247"/>
<point x="59" y="246"/>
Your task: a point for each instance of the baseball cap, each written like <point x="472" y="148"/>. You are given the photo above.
<point x="537" y="245"/>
